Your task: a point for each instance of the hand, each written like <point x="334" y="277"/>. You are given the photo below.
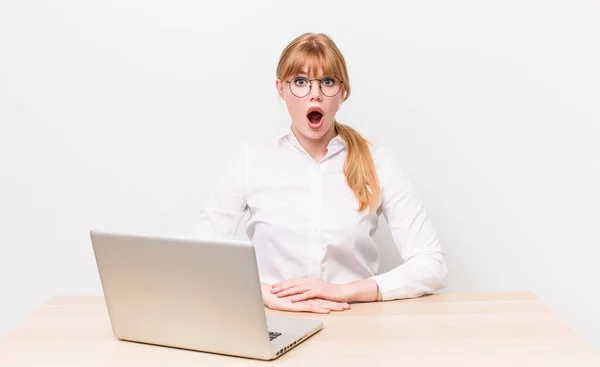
<point x="303" y="289"/>
<point x="312" y="305"/>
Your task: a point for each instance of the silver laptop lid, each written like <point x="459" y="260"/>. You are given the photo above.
<point x="183" y="292"/>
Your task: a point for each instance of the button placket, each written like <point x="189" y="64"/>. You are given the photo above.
<point x="316" y="219"/>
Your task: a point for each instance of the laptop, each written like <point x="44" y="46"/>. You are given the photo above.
<point x="193" y="294"/>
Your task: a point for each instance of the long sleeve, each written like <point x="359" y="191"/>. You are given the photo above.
<point x="423" y="269"/>
<point x="226" y="204"/>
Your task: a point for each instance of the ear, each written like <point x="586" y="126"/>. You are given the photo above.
<point x="279" y="85"/>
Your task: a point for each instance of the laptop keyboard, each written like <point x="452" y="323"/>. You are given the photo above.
<point x="273" y="335"/>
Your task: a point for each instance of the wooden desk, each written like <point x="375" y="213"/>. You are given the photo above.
<point x="492" y="329"/>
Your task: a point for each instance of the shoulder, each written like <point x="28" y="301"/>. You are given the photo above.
<point x="381" y="155"/>
<point x="381" y="160"/>
<point x="388" y="166"/>
<point x="261" y="146"/>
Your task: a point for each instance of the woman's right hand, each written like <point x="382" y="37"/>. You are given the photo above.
<point x="315" y="305"/>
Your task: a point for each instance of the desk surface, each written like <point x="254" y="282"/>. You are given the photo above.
<point x="487" y="329"/>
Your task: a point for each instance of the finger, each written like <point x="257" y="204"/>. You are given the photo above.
<point x="319" y="310"/>
<point x="285" y="282"/>
<point x="333" y="305"/>
<point x="324" y="304"/>
<point x="282" y="287"/>
<point x="291" y="291"/>
<point x="278" y="287"/>
<point x="278" y="284"/>
<point x="308" y="307"/>
<point x="315" y="292"/>
<point x="309" y="294"/>
<point x="299" y="307"/>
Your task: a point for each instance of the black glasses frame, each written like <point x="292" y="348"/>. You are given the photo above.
<point x="310" y="86"/>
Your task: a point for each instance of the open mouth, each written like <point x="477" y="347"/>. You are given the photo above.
<point x="315" y="117"/>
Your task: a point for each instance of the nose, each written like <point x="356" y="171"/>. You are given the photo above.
<point x="315" y="92"/>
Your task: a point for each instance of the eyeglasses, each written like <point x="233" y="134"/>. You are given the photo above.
<point x="301" y="86"/>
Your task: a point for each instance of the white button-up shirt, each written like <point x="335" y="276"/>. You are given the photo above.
<point x="303" y="220"/>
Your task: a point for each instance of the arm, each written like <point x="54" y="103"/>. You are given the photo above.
<point x="301" y="289"/>
<point x="364" y="290"/>
<point x="424" y="269"/>
<point x="226" y="204"/>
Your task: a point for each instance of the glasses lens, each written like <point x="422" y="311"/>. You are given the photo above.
<point x="300" y="87"/>
<point x="330" y="86"/>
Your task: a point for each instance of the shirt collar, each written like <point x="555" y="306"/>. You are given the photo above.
<point x="336" y="144"/>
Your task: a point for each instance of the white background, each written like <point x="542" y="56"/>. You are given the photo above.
<point x="120" y="116"/>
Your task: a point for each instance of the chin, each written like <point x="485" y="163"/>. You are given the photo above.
<point x="314" y="134"/>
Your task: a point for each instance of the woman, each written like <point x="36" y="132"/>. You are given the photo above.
<point x="314" y="196"/>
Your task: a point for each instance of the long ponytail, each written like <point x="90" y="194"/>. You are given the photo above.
<point x="359" y="168"/>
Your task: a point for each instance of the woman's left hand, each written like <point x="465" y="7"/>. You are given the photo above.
<point x="307" y="288"/>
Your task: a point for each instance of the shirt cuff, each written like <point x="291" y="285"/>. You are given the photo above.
<point x="388" y="287"/>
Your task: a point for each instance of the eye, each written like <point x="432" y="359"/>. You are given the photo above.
<point x="301" y="82"/>
<point x="328" y="82"/>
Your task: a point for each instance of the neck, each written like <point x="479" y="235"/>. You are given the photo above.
<point x="316" y="148"/>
